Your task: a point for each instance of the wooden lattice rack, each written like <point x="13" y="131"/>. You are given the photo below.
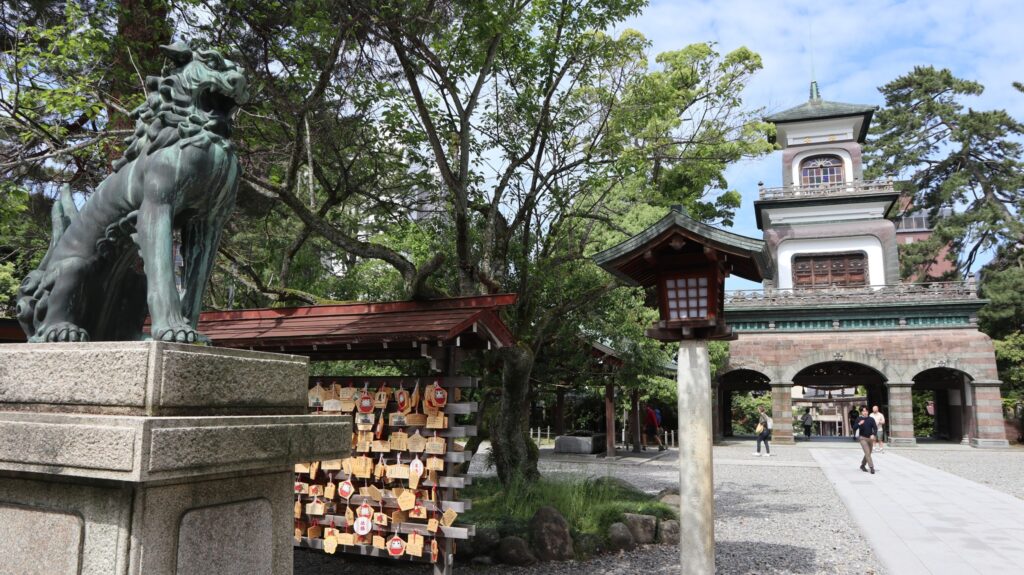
<point x="436" y="495"/>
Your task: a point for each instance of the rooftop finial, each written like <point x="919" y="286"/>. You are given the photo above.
<point x="815" y="95"/>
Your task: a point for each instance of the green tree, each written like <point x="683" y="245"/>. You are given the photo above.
<point x="966" y="160"/>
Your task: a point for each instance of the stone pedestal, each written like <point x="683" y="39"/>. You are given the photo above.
<point x="134" y="458"/>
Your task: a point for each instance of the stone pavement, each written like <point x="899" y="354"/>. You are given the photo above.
<point x="920" y="520"/>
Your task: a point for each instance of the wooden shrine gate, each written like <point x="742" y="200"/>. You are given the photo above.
<point x="392" y="431"/>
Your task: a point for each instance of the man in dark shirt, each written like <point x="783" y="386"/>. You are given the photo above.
<point x="867" y="429"/>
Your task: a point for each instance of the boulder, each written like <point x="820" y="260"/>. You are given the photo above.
<point x="513" y="550"/>
<point x="619" y="538"/>
<point x="643" y="527"/>
<point x="485" y="542"/>
<point x="549" y="534"/>
<point x="668" y="532"/>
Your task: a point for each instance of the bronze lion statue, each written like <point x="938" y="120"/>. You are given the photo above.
<point x="114" y="260"/>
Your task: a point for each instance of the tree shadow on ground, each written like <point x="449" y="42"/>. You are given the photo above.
<point x="753" y="500"/>
<point x="755" y="557"/>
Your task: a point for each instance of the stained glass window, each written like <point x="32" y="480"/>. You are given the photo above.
<point x="821" y="170"/>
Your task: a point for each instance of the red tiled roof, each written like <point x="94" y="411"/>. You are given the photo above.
<point x="388" y="329"/>
<point x="10" y="331"/>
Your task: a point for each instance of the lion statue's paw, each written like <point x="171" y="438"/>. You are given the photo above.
<point x="63" y="331"/>
<point x="178" y="334"/>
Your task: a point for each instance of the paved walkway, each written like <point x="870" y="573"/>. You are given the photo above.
<point x="920" y="520"/>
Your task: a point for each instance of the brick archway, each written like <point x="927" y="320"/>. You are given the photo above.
<point x="804" y="362"/>
<point x="897" y="355"/>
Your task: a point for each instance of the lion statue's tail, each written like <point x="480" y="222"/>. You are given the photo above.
<point x="33" y="291"/>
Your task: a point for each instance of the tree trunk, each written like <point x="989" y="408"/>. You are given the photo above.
<point x="515" y="455"/>
<point x="634" y="419"/>
<point x="559" y="415"/>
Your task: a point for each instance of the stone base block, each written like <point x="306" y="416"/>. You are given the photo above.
<point x="140" y="458"/>
<point x="236" y="526"/>
<point x="783" y="439"/>
<point x="902" y="441"/>
<point x="580" y="444"/>
<point x="989" y="443"/>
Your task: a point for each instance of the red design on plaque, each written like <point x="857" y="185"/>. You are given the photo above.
<point x="439" y="396"/>
<point x="346" y="489"/>
<point x="365" y="510"/>
<point x="402" y="399"/>
<point x="396" y="546"/>
<point x="365" y="402"/>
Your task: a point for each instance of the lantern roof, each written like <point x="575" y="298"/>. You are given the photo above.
<point x="636" y="261"/>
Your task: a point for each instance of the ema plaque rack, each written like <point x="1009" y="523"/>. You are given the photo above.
<point x="396" y="496"/>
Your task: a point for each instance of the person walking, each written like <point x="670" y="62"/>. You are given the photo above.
<point x="853" y="419"/>
<point x="764" y="432"/>
<point x="651" y="427"/>
<point x="867" y="431"/>
<point x="807" y="420"/>
<point x="880" y="423"/>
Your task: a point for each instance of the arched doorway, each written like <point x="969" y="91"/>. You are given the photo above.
<point x="942" y="404"/>
<point x="733" y="389"/>
<point x="831" y="390"/>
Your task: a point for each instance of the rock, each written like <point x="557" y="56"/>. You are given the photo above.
<point x="670" y="496"/>
<point x="643" y="527"/>
<point x="484" y="543"/>
<point x="513" y="550"/>
<point x="549" y="534"/>
<point x="614" y="483"/>
<point x="588" y="544"/>
<point x="619" y="538"/>
<point x="668" y="532"/>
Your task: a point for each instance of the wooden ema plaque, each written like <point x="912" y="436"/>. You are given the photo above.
<point x="395" y="495"/>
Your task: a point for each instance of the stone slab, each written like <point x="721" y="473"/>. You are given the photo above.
<point x="182" y="527"/>
<point x="246" y="548"/>
<point x="149" y="378"/>
<point x="38" y="527"/>
<point x="138" y="449"/>
<point x="55" y="550"/>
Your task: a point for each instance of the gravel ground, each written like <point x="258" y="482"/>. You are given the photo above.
<point x="1002" y="470"/>
<point x="777" y="516"/>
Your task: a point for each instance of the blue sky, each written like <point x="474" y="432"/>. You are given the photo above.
<point x="857" y="46"/>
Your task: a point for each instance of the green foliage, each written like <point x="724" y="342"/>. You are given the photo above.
<point x="744" y="410"/>
<point x="924" y="424"/>
<point x="1010" y="359"/>
<point x="1005" y="312"/>
<point x="588" y="505"/>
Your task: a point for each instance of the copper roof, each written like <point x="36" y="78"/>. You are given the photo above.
<point x="363" y="330"/>
<point x="749" y="256"/>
